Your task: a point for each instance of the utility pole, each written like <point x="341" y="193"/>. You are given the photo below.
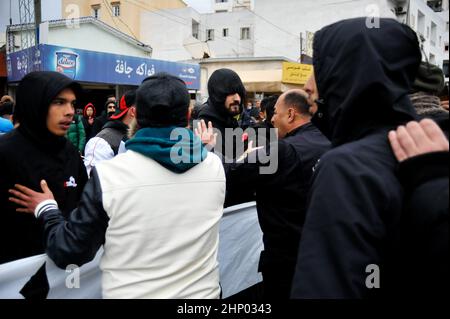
<point x="37" y="18"/>
<point x="301" y="46"/>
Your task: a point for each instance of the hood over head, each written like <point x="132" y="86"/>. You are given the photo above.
<point x="85" y="109"/>
<point x="34" y="94"/>
<point x="222" y="83"/>
<point x="363" y="77"/>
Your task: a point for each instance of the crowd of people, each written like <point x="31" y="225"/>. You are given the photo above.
<point x="348" y="173"/>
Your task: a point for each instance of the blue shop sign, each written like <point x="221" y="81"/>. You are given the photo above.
<point x="96" y="67"/>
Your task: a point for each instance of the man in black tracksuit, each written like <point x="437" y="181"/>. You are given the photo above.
<point x="38" y="150"/>
<point x="363" y="79"/>
<point x="281" y="191"/>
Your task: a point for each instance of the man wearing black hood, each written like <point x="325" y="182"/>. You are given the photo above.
<point x="38" y="150"/>
<point x="226" y="99"/>
<point x="363" y="79"/>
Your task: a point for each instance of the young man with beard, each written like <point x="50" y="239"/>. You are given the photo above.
<point x="38" y="150"/>
<point x="226" y="99"/>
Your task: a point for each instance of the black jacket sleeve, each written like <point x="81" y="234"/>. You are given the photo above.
<point x="421" y="169"/>
<point x="425" y="235"/>
<point x="77" y="240"/>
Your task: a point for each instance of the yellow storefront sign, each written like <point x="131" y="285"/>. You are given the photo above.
<point x="296" y="73"/>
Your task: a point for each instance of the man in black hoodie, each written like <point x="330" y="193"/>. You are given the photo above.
<point x="226" y="99"/>
<point x="38" y="150"/>
<point x="363" y="79"/>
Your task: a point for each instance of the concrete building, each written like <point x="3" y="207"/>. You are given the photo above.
<point x="430" y="20"/>
<point x="122" y="15"/>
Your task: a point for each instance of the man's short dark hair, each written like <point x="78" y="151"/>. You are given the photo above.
<point x="268" y="106"/>
<point x="6" y="108"/>
<point x="162" y="100"/>
<point x="298" y="101"/>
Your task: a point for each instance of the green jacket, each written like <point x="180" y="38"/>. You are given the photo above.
<point x="76" y="134"/>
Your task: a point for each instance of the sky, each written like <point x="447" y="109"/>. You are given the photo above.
<point x="201" y="6"/>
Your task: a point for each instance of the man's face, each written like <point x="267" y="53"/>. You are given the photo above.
<point x="311" y="89"/>
<point x="111" y="109"/>
<point x="89" y="112"/>
<point x="232" y="103"/>
<point x="60" y="113"/>
<point x="280" y="119"/>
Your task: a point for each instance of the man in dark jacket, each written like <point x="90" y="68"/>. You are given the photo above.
<point x="38" y="150"/>
<point x="363" y="79"/>
<point x="109" y="110"/>
<point x="226" y="99"/>
<point x="281" y="186"/>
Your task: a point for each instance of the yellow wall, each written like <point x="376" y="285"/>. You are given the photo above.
<point x="129" y="21"/>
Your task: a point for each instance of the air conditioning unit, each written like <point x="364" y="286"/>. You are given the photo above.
<point x="436" y="5"/>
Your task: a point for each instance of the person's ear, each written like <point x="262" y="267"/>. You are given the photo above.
<point x="133" y="111"/>
<point x="291" y="115"/>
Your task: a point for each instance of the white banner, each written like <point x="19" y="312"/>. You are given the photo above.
<point x="239" y="248"/>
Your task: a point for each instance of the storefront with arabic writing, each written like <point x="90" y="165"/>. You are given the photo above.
<point x="97" y="71"/>
<point x="261" y="77"/>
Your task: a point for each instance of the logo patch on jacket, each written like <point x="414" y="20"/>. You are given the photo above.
<point x="70" y="183"/>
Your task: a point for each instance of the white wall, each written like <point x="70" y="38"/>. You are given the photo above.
<point x="437" y="49"/>
<point x="231" y="46"/>
<point x="93" y="38"/>
<point x="166" y="30"/>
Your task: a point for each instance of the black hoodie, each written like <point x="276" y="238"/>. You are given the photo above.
<point x="363" y="77"/>
<point x="28" y="155"/>
<point x="222" y="83"/>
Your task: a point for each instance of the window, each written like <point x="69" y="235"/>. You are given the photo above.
<point x="413" y="21"/>
<point x="225" y="33"/>
<point x="245" y="33"/>
<point x="421" y="23"/>
<point x="221" y="1"/>
<point x="96" y="11"/>
<point x="195" y="28"/>
<point x="432" y="59"/>
<point x="210" y="35"/>
<point x="433" y="34"/>
<point x="446" y="27"/>
<point x="445" y="68"/>
<point x="446" y="47"/>
<point x="116" y="8"/>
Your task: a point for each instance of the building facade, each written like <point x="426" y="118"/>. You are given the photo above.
<point x="122" y="15"/>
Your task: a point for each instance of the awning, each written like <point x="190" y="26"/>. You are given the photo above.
<point x="268" y="81"/>
<point x="97" y="67"/>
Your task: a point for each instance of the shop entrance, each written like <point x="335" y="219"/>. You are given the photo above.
<point x="96" y="95"/>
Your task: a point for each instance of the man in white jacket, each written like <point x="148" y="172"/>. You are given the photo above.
<point x="155" y="208"/>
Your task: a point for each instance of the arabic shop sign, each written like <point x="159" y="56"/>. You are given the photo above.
<point x="296" y="73"/>
<point x="97" y="67"/>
